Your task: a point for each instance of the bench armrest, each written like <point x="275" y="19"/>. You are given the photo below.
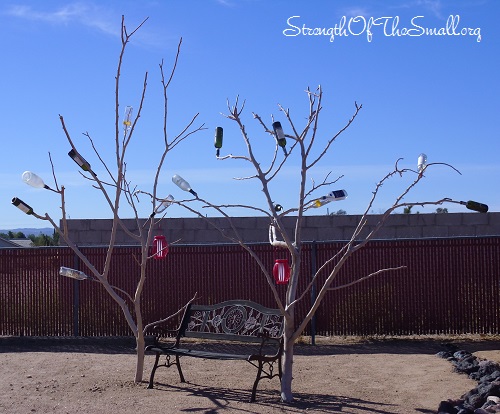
<point x="266" y="339"/>
<point x="159" y="331"/>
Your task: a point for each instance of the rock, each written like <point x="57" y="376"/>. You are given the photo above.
<point x="474" y="401"/>
<point x="485" y="368"/>
<point x="488" y="410"/>
<point x="461" y="354"/>
<point x="495" y="375"/>
<point x="447" y="407"/>
<point x="467" y="365"/>
<point x="485" y="398"/>
<point x="445" y="354"/>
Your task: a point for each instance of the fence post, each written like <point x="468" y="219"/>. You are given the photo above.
<point x="313" y="291"/>
<point x="76" y="300"/>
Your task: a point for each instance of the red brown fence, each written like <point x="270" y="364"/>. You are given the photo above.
<point x="449" y="286"/>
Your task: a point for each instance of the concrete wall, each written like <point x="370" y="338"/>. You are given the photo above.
<point x="320" y="228"/>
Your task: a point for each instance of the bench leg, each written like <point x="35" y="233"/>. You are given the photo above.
<point x="262" y="373"/>
<point x="168" y="363"/>
<point x="155" y="366"/>
<point x="178" y="363"/>
<point x="280" y="372"/>
<point x="257" y="379"/>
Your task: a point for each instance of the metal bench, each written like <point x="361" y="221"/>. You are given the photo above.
<point x="232" y="330"/>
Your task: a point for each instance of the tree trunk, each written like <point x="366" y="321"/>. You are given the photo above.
<point x="139" y="369"/>
<point x="287" y="363"/>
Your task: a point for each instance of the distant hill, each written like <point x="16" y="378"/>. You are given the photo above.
<point x="49" y="231"/>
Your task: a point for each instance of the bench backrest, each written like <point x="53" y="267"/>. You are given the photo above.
<point x="240" y="320"/>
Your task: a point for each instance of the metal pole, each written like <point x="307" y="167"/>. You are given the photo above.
<point x="314" y="251"/>
<point x="76" y="300"/>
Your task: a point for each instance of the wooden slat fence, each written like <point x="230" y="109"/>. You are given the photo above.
<point x="449" y="286"/>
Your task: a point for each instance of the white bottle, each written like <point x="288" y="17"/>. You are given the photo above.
<point x="33" y="179"/>
<point x="422" y="162"/>
<point x="336" y="195"/>
<point x="183" y="184"/>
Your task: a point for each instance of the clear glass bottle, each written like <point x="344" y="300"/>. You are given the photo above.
<point x="72" y="273"/>
<point x="127" y="119"/>
<point x="183" y="184"/>
<point x="165" y="203"/>
<point x="33" y="180"/>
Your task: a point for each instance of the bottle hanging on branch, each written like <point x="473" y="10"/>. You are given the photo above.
<point x="183" y="184"/>
<point x="422" y="162"/>
<point x="127" y="119"/>
<point x="218" y="139"/>
<point x="82" y="162"/>
<point x="164" y="204"/>
<point x="33" y="180"/>
<point x="336" y="195"/>
<point x="72" y="273"/>
<point x="280" y="135"/>
<point x="21" y="205"/>
<point x="475" y="206"/>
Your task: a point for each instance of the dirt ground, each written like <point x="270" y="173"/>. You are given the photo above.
<point x="337" y="375"/>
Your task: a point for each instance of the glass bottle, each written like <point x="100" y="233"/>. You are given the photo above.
<point x="76" y="157"/>
<point x="32" y="179"/>
<point x="422" y="162"/>
<point x="218" y="139"/>
<point x="165" y="203"/>
<point x="336" y="195"/>
<point x="21" y="205"/>
<point x="72" y="273"/>
<point x="475" y="206"/>
<point x="183" y="184"/>
<point x="127" y="119"/>
<point x="280" y="135"/>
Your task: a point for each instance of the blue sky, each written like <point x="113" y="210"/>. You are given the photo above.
<point x="424" y="93"/>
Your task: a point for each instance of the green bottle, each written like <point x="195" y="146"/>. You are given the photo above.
<point x="475" y="206"/>
<point x="218" y="139"/>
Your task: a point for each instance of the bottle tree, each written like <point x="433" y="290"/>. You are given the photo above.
<point x="116" y="190"/>
<point x="306" y="149"/>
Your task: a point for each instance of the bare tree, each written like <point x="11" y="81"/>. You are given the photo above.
<point x="309" y="150"/>
<point x="116" y="190"/>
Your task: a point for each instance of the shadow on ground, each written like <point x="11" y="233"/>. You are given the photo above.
<point x="126" y="345"/>
<point x="219" y="400"/>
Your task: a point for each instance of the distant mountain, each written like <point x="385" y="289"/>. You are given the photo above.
<point x="49" y="231"/>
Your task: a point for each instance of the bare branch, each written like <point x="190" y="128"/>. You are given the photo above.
<point x="236" y="238"/>
<point x="174" y="66"/>
<point x="362" y="279"/>
<point x="331" y="140"/>
<point x="181" y="310"/>
<point x="99" y="156"/>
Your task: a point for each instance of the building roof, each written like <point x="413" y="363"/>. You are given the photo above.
<point x="16" y="243"/>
